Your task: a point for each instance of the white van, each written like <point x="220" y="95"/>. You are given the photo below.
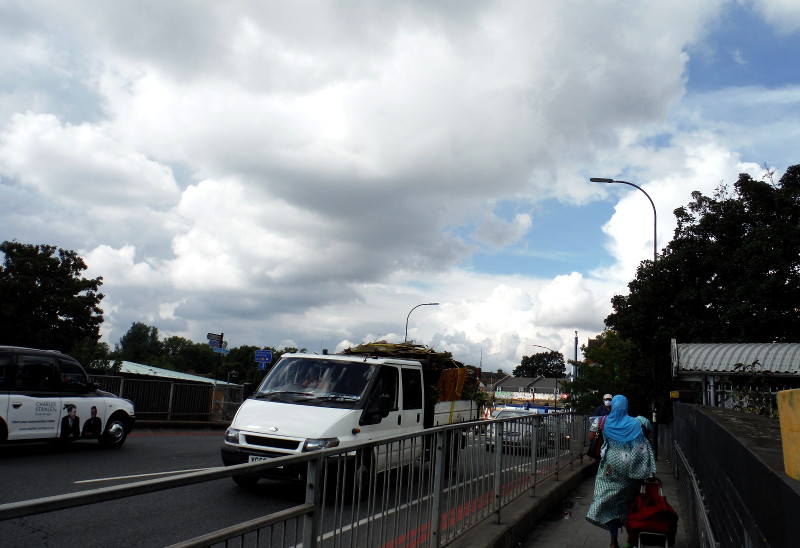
<point x="46" y="395"/>
<point x="309" y="402"/>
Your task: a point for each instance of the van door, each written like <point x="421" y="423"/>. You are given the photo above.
<point x="34" y="402"/>
<point x="84" y="409"/>
<point x="412" y="413"/>
<point x="385" y="394"/>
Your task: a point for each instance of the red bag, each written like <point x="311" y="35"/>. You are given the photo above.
<point x="651" y="513"/>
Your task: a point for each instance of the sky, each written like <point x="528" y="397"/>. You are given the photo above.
<point x="304" y="174"/>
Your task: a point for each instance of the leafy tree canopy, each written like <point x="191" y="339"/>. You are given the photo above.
<point x="546" y="364"/>
<point x="140" y="344"/>
<point x="730" y="274"/>
<point x="46" y="303"/>
<point x="182" y="354"/>
<point x="613" y="365"/>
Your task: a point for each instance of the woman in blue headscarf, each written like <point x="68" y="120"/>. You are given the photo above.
<point x="625" y="460"/>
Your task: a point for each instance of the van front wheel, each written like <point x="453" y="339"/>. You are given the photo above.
<point x="115" y="434"/>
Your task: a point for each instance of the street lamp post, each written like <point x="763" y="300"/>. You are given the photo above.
<point x="405" y="339"/>
<point x="601" y="180"/>
<point x="655" y="215"/>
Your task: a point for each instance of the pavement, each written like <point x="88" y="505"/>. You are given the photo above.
<point x="556" y="516"/>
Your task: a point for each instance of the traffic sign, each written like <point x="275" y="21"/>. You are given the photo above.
<point x="214" y="337"/>
<point x="264" y="356"/>
<point x="221" y="350"/>
<point x="215" y="344"/>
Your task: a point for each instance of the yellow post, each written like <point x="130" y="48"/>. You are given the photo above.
<point x="789" y="410"/>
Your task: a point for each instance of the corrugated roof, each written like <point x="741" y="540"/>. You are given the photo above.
<point x="778" y="358"/>
<point x="548" y="383"/>
<point x="140" y="369"/>
<point x="512" y="384"/>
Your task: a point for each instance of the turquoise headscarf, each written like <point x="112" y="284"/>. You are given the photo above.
<point x="619" y="425"/>
<point x="647" y="428"/>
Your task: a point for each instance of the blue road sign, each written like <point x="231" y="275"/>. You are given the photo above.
<point x="264" y="356"/>
<point x="221" y="350"/>
<point x="213" y="343"/>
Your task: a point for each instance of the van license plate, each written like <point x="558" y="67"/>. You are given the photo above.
<point x="256" y="458"/>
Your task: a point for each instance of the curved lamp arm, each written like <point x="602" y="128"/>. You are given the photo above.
<point x="655" y="215"/>
<point x="405" y="339"/>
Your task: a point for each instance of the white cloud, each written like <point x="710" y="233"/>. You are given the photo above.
<point x="705" y="165"/>
<point x="80" y="164"/>
<point x="120" y="266"/>
<point x="309" y="180"/>
<point x="498" y="232"/>
<point x="784" y="15"/>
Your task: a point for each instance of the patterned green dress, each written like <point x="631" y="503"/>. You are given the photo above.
<point x="623" y="466"/>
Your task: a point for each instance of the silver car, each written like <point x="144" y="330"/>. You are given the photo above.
<point x="518" y="435"/>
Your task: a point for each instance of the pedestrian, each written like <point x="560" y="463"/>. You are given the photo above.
<point x="647" y="428"/>
<point x="605" y="408"/>
<point x="626" y="459"/>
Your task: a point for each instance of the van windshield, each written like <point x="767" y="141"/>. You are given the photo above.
<point x="329" y="383"/>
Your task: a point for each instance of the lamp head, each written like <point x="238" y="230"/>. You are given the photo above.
<point x="601" y="180"/>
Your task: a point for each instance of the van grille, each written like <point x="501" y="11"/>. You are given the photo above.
<point x="278" y="443"/>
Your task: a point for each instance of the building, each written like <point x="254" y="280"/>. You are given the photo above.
<point x="725" y="371"/>
<point x="490" y="380"/>
<point x="535" y="389"/>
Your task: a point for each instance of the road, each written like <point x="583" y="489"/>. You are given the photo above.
<point x="158" y="519"/>
<point x="167" y="517"/>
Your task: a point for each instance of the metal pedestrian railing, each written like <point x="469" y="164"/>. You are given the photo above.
<point x="171" y="400"/>
<point x="414" y="490"/>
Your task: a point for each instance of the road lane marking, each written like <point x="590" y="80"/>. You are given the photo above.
<point x="144" y="475"/>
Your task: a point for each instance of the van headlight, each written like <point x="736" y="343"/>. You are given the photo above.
<point x="320" y="443"/>
<point x="232" y="435"/>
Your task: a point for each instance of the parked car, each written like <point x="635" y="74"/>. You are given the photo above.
<point x="46" y="395"/>
<point x="518" y="435"/>
<point x="564" y="433"/>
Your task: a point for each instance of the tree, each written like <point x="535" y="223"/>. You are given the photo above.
<point x="240" y="366"/>
<point x="613" y="365"/>
<point x="95" y="355"/>
<point x="730" y="274"/>
<point x="180" y="354"/>
<point x="44" y="300"/>
<point x="546" y="364"/>
<point x="140" y="344"/>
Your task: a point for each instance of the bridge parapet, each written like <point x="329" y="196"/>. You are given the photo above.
<point x="736" y="459"/>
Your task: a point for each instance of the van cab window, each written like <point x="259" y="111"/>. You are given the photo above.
<point x="35" y="373"/>
<point x="412" y="389"/>
<point x="72" y="376"/>
<point x="386" y="386"/>
<point x="5" y="371"/>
